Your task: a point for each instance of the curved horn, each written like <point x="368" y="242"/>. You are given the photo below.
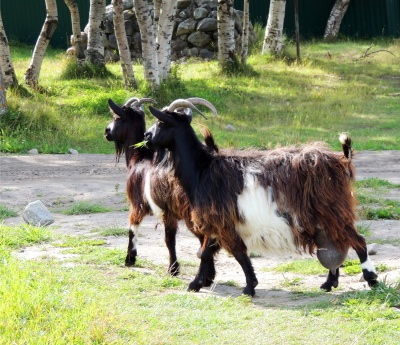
<point x="143" y="100"/>
<point x="202" y="101"/>
<point x="130" y="101"/>
<point x="183" y="103"/>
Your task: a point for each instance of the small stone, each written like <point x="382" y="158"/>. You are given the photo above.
<point x="37" y="214"/>
<point x="73" y="152"/>
<point x="372" y="248"/>
<point x="230" y="128"/>
<point x="33" y="152"/>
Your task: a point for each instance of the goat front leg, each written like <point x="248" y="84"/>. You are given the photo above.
<point x="239" y="250"/>
<point x="206" y="273"/>
<point x="131" y="255"/>
<point x="171" y="228"/>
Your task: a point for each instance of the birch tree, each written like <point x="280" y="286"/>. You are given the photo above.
<point x="226" y="37"/>
<point x="335" y="19"/>
<point x="76" y="31"/>
<point x="164" y="36"/>
<point x="9" y="77"/>
<point x="3" y="100"/>
<point x="95" y="46"/>
<point x="246" y="31"/>
<point x="143" y="10"/>
<point x="123" y="47"/>
<point x="274" y="29"/>
<point x="49" y="26"/>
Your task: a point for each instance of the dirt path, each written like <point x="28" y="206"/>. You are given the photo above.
<point x="58" y="180"/>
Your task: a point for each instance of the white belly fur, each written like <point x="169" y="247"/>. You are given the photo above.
<point x="263" y="231"/>
<point x="157" y="211"/>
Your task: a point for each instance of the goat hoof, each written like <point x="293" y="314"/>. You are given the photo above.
<point x="372" y="283"/>
<point x="194" y="286"/>
<point x="130" y="259"/>
<point x="173" y="270"/>
<point x="208" y="282"/>
<point x="249" y="291"/>
<point x="326" y="286"/>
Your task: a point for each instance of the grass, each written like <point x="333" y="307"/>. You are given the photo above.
<point x="83" y="207"/>
<point x="92" y="301"/>
<point x="270" y="102"/>
<point x="373" y="196"/>
<point x="5" y="212"/>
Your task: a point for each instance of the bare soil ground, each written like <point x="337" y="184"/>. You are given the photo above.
<point x="59" y="180"/>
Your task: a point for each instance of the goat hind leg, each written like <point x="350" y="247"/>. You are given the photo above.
<point x="332" y="281"/>
<point x="367" y="266"/>
<point x="171" y="227"/>
<point x="131" y="255"/>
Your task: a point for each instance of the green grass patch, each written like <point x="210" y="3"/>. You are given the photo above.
<point x="83" y="207"/>
<point x="303" y="266"/>
<point x="371" y="195"/>
<point x="5" y="212"/>
<point x="269" y="101"/>
<point x="111" y="231"/>
<point x="20" y="236"/>
<point x="79" y="241"/>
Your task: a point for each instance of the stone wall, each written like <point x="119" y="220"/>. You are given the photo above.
<point x="195" y="32"/>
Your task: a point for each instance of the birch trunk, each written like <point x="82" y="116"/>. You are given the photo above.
<point x="164" y="37"/>
<point x="245" y="33"/>
<point x="76" y="31"/>
<point x="3" y="100"/>
<point x="95" y="46"/>
<point x="274" y="29"/>
<point x="143" y="10"/>
<point x="9" y="77"/>
<point x="335" y="19"/>
<point x="49" y="26"/>
<point x="123" y="47"/>
<point x="226" y="37"/>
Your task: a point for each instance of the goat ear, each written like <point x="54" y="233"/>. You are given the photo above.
<point x="116" y="109"/>
<point x="160" y="115"/>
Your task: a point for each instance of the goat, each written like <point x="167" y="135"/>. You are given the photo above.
<point x="150" y="188"/>
<point x="291" y="199"/>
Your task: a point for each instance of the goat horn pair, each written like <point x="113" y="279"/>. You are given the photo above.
<point x="189" y="103"/>
<point x="137" y="102"/>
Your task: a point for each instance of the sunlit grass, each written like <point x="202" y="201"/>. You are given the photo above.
<point x="279" y="101"/>
<point x="83" y="207"/>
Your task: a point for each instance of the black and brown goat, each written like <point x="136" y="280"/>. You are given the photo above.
<point x="291" y="199"/>
<point x="151" y="187"/>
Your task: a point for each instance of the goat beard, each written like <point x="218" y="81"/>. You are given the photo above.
<point x="119" y="150"/>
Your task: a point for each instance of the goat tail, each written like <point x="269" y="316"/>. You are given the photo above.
<point x="346" y="146"/>
<point x="209" y="140"/>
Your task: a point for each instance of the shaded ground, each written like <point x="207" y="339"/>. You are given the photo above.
<point x="59" y="180"/>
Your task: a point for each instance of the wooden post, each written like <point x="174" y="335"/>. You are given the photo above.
<point x="296" y="24"/>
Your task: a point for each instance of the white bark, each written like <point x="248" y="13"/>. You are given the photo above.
<point x="95" y="47"/>
<point x="335" y="19"/>
<point x="123" y="47"/>
<point x="49" y="26"/>
<point x="143" y="10"/>
<point x="3" y="100"/>
<point x="245" y="33"/>
<point x="164" y="37"/>
<point x="226" y="29"/>
<point x="8" y="74"/>
<point x="76" y="31"/>
<point x="274" y="29"/>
